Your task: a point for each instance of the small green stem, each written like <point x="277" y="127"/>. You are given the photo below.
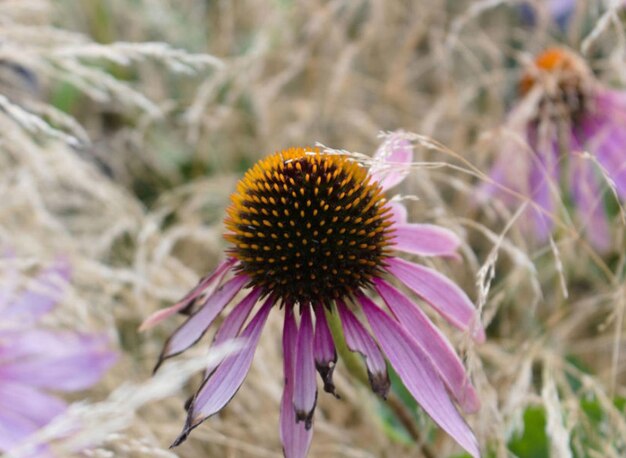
<point x="350" y="359"/>
<point x="356" y="369"/>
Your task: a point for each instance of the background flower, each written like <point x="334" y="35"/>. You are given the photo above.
<point x="563" y="115"/>
<point x="35" y="361"/>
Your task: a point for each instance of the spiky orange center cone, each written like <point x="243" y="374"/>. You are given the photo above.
<point x="309" y="227"/>
<point x="558" y="63"/>
<point x="563" y="78"/>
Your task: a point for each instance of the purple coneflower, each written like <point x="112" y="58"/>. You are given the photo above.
<point x="35" y="360"/>
<point x="312" y="233"/>
<point x="564" y="114"/>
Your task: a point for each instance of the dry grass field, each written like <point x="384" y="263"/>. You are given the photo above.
<point x="126" y="124"/>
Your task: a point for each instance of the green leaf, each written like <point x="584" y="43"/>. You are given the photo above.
<point x="532" y="442"/>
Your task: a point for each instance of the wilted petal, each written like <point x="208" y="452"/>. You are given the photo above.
<point x="441" y="293"/>
<point x="305" y="389"/>
<point x="588" y="196"/>
<point x="425" y="240"/>
<point x="324" y="350"/>
<point x="219" y="388"/>
<point x="206" y="285"/>
<point x="392" y="161"/>
<point x="41" y="297"/>
<point x="294" y="435"/>
<point x="234" y="321"/>
<point x="418" y="375"/>
<point x="196" y="325"/>
<point x="434" y="344"/>
<point x="359" y="340"/>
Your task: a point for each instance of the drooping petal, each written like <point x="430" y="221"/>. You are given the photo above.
<point x="359" y="340"/>
<point x="324" y="351"/>
<point x="59" y="361"/>
<point x="206" y="285"/>
<point x="234" y="321"/>
<point x="305" y="387"/>
<point x="433" y="343"/>
<point x="588" y="196"/>
<point x="425" y="240"/>
<point x="418" y="375"/>
<point x="196" y="325"/>
<point x="294" y="435"/>
<point x="441" y="293"/>
<point x="507" y="176"/>
<point x="41" y="297"/>
<point x="219" y="388"/>
<point x="392" y="161"/>
<point x="540" y="180"/>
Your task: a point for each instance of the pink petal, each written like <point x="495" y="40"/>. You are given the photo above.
<point x="359" y="340"/>
<point x="14" y="431"/>
<point x="441" y="293"/>
<point x="324" y="350"/>
<point x="391" y="161"/>
<point x="507" y="175"/>
<point x="41" y="297"/>
<point x="196" y="325"/>
<point x="61" y="361"/>
<point x="542" y="176"/>
<point x="418" y="375"/>
<point x="219" y="388"/>
<point x="305" y="389"/>
<point x="588" y="196"/>
<point x="425" y="240"/>
<point x="234" y="321"/>
<point x="433" y="343"/>
<point x="398" y="213"/>
<point x="206" y="286"/>
<point x="24" y="410"/>
<point x="294" y="435"/>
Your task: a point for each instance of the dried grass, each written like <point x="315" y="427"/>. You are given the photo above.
<point x="101" y="183"/>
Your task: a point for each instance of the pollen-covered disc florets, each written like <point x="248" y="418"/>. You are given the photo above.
<point x="308" y="226"/>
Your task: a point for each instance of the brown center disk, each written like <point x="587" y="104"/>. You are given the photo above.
<point x="309" y="227"/>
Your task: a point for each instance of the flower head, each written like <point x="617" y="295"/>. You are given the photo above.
<point x="309" y="227"/>
<point x="563" y="114"/>
<point x="34" y="360"/>
<point x="312" y="232"/>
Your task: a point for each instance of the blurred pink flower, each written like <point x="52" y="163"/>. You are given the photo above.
<point x="309" y="229"/>
<point x="35" y="360"/>
<point x="564" y="114"/>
